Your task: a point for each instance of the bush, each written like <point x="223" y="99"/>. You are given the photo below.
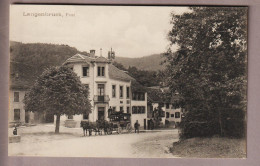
<point x="232" y="123"/>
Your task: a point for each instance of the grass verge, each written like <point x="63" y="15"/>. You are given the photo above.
<point x="215" y="147"/>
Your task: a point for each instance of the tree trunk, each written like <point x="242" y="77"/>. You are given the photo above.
<point x="57" y="128"/>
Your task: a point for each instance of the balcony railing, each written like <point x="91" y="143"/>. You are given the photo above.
<point x="101" y="99"/>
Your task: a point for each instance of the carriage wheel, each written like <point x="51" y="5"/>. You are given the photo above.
<point x="129" y="128"/>
<point x="119" y="130"/>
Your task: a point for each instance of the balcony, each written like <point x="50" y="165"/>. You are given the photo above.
<point x="101" y="99"/>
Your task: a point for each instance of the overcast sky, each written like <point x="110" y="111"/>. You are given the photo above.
<point x="131" y="31"/>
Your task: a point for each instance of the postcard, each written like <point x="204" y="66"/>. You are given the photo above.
<point x="128" y="81"/>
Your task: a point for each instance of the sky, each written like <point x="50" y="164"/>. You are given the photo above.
<point x="132" y="31"/>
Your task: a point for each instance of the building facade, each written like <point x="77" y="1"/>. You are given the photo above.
<point x="170" y="107"/>
<point x="108" y="87"/>
<point x="17" y="113"/>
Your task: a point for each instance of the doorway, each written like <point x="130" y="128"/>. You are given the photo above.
<point x="27" y="117"/>
<point x="101" y="113"/>
<point x="145" y="124"/>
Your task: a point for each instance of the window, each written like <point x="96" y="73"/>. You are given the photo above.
<point x="85" y="116"/>
<point x="141" y="96"/>
<point x="71" y="68"/>
<point x="121" y="91"/>
<point x="101" y="71"/>
<point x="121" y="109"/>
<point x="138" y="96"/>
<point x="167" y="114"/>
<point x="134" y="110"/>
<point x="85" y="71"/>
<point x="143" y="110"/>
<point x="172" y="115"/>
<point x="101" y="89"/>
<point x="138" y="110"/>
<point x="128" y="110"/>
<point x="113" y="90"/>
<point x="16" y="96"/>
<point x="177" y="114"/>
<point x="127" y="92"/>
<point x="70" y="116"/>
<point x="16" y="114"/>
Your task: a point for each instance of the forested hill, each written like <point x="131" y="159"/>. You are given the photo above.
<point x="29" y="60"/>
<point x="150" y="63"/>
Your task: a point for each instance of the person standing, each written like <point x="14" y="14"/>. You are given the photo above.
<point x="137" y="125"/>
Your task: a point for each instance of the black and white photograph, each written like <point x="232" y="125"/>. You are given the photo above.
<point x="122" y="81"/>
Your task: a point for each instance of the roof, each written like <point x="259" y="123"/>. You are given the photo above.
<point x="19" y="84"/>
<point x="137" y="87"/>
<point x="117" y="74"/>
<point x="86" y="59"/>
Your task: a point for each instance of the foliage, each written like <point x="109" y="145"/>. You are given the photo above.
<point x="119" y="66"/>
<point x="143" y="63"/>
<point x="209" y="69"/>
<point x="30" y="60"/>
<point x="158" y="113"/>
<point x="58" y="91"/>
<point x="145" y="77"/>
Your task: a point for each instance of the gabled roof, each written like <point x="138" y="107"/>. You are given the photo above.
<point x="78" y="58"/>
<point x="19" y="84"/>
<point x="117" y="74"/>
<point x="102" y="60"/>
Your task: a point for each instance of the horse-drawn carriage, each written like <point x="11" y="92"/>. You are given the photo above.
<point x="118" y="122"/>
<point x="121" y="121"/>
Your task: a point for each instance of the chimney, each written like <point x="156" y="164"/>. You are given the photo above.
<point x="92" y="53"/>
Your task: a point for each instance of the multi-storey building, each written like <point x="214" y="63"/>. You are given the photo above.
<point x="108" y="86"/>
<point x="170" y="105"/>
<point x="17" y="114"/>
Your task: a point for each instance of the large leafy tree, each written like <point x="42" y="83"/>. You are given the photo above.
<point x="209" y="69"/>
<point x="58" y="91"/>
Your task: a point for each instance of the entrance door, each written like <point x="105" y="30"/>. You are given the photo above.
<point x="27" y="116"/>
<point x="101" y="113"/>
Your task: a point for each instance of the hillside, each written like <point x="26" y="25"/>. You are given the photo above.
<point x="151" y="63"/>
<point x="28" y="61"/>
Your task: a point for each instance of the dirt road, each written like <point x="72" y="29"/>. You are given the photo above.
<point x="147" y="144"/>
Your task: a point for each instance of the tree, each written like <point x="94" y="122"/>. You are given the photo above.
<point x="209" y="69"/>
<point x="119" y="65"/>
<point x="58" y="91"/>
